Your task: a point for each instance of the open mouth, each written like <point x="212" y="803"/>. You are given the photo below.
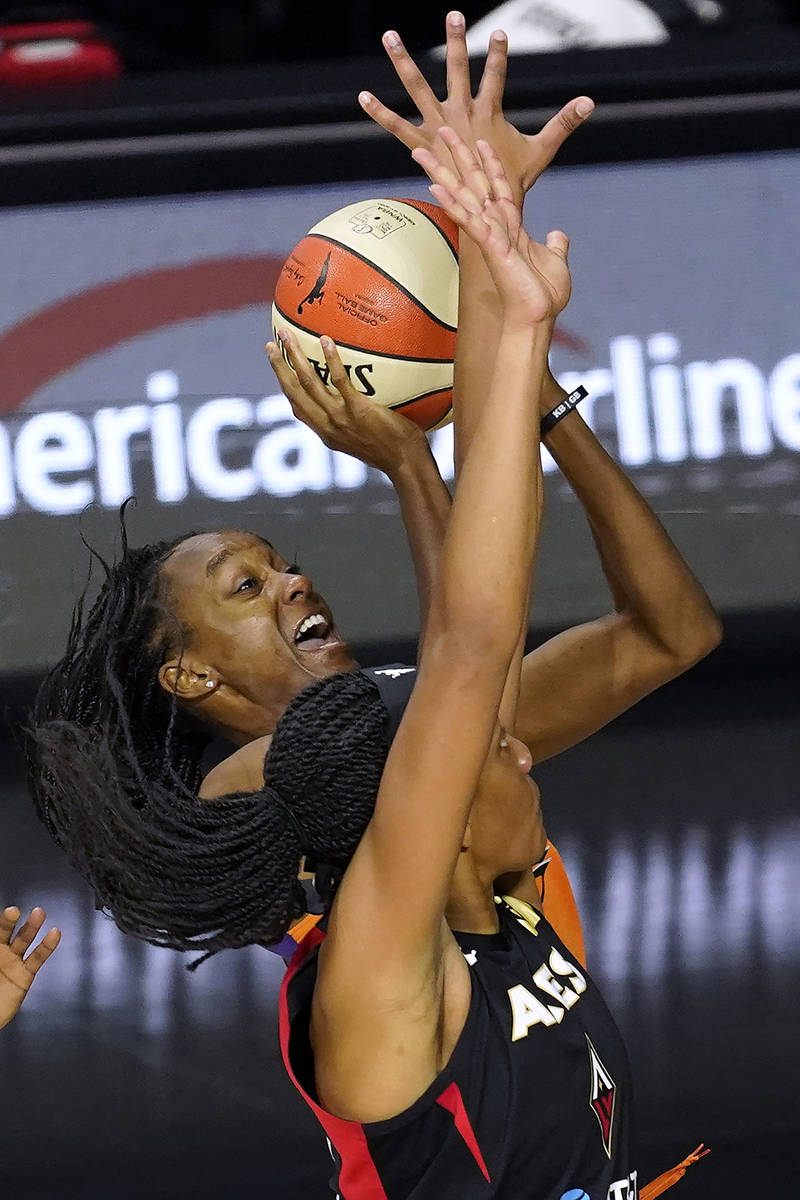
<point x="314" y="633"/>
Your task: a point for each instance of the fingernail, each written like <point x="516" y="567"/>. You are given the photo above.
<point x="499" y="35"/>
<point x="392" y="39"/>
<point x="364" y="98"/>
<point x="584" y="107"/>
<point x="456" y="18"/>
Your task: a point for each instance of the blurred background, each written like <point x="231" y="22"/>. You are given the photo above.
<point x="157" y="163"/>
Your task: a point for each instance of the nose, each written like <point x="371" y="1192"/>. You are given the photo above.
<point x="521" y="753"/>
<point x="296" y="587"/>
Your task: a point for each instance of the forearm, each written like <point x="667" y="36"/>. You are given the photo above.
<point x="425" y="508"/>
<point x="480" y="321"/>
<point x="647" y="575"/>
<point x="497" y="508"/>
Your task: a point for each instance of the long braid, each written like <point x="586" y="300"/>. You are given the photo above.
<point x="115" y="765"/>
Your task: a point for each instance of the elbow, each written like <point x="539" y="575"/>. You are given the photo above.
<point x="698" y="641"/>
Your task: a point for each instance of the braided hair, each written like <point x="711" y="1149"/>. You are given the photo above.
<point x="114" y="768"/>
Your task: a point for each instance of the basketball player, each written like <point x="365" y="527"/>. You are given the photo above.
<point x="425" y="1054"/>
<point x="18" y="969"/>
<point x="662" y="621"/>
<point x="202" y="636"/>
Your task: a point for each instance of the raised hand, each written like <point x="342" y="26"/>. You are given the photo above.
<point x="345" y="419"/>
<point x="524" y="156"/>
<point x="17" y="972"/>
<point x="532" y="279"/>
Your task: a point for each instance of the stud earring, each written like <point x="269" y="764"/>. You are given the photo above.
<point x="209" y="683"/>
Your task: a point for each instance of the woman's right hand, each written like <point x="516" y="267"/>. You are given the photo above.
<point x="340" y="415"/>
<point x="532" y="279"/>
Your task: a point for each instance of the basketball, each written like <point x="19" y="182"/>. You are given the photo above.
<point x="380" y="277"/>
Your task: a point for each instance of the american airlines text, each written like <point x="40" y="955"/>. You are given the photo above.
<point x="658" y="411"/>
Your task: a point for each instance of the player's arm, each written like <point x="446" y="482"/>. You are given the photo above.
<point x="524" y="159"/>
<point x="373" y="975"/>
<point x="582" y="679"/>
<point x="662" y="622"/>
<point x="18" y="968"/>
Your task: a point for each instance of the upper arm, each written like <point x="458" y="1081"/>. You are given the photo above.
<point x="403" y="867"/>
<point x="580" y="680"/>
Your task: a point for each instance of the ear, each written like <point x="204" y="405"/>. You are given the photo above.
<point x="187" y="680"/>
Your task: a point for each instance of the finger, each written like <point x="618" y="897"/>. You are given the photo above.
<point x="553" y="135"/>
<point x="29" y="930"/>
<point x="290" y="366"/>
<point x="403" y="130"/>
<point x="411" y="77"/>
<point x="312" y="402"/>
<point x="494" y="171"/>
<point x="558" y="243"/>
<point x="38" y="957"/>
<point x="459" y="88"/>
<point x="338" y="376"/>
<point x="468" y="163"/>
<point x="448" y="178"/>
<point x="493" y="80"/>
<point x="470" y="222"/>
<point x="8" y="919"/>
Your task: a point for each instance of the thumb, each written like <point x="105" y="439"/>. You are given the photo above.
<point x="553" y="135"/>
<point x="558" y="243"/>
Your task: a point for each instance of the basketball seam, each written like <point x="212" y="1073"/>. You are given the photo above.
<point x="413" y="204"/>
<point x="326" y="237"/>
<point x="421" y="396"/>
<point x="360" y="349"/>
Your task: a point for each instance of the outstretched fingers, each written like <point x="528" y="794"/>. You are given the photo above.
<point x="25" y="935"/>
<point x="493" y="80"/>
<point x="551" y="137"/>
<point x="494" y="171"/>
<point x="472" y="223"/>
<point x="411" y="77"/>
<point x="389" y="120"/>
<point x="450" y="179"/>
<point x="459" y="88"/>
<point x="38" y="957"/>
<point x="8" y="919"/>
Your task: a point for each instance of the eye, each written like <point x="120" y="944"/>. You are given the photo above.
<point x="246" y="584"/>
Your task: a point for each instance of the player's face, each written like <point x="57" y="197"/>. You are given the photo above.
<point x="506" y="818"/>
<point x="252" y="620"/>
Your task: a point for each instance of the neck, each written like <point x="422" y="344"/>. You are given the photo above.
<point x="470" y="905"/>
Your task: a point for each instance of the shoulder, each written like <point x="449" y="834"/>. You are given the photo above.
<point x="242" y="771"/>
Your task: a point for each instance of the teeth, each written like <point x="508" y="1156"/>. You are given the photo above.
<point x="310" y="623"/>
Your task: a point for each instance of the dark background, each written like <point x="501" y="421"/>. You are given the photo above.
<point x="124" y="1077"/>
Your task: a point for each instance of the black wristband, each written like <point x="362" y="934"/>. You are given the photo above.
<point x="561" y="410"/>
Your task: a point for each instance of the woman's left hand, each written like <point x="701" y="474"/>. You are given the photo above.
<point x="344" y="419"/>
<point x="524" y="156"/>
<point x="17" y="972"/>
